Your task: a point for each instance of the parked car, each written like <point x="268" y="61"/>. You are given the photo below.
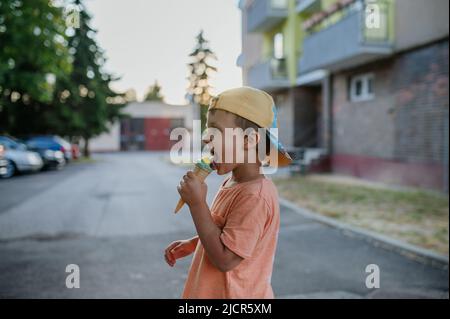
<point x="3" y="162"/>
<point x="18" y="157"/>
<point x="51" y="158"/>
<point x="55" y="143"/>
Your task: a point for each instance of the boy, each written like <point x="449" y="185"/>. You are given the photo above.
<point x="237" y="237"/>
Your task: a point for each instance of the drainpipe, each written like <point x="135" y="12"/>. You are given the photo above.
<point x="445" y="162"/>
<point x="327" y="98"/>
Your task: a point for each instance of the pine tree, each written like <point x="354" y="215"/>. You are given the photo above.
<point x="154" y="93"/>
<point x="199" y="90"/>
<point x="87" y="93"/>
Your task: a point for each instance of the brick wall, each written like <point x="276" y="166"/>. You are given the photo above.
<point x="368" y="127"/>
<point x="420" y="86"/>
<point x="406" y="121"/>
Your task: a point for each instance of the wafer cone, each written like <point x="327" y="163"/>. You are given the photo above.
<point x="201" y="174"/>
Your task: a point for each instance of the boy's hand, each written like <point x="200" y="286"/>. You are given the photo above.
<point x="178" y="249"/>
<point x="192" y="190"/>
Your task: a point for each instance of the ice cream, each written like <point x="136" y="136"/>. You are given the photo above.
<point x="202" y="169"/>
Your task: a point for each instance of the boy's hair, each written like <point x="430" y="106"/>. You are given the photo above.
<point x="244" y="124"/>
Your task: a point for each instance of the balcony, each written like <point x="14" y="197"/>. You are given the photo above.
<point x="346" y="42"/>
<point x="269" y="75"/>
<point x="263" y="15"/>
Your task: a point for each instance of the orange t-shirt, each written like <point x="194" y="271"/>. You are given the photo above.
<point x="249" y="216"/>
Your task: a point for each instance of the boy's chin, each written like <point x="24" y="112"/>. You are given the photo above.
<point x="221" y="172"/>
<point x="222" y="169"/>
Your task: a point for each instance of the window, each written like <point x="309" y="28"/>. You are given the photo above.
<point x="361" y="88"/>
<point x="278" y="46"/>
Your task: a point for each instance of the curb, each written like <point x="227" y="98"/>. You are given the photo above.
<point x="408" y="250"/>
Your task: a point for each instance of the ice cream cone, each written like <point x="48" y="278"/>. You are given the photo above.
<point x="201" y="170"/>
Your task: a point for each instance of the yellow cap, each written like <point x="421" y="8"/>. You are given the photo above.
<point x="252" y="104"/>
<point x="256" y="106"/>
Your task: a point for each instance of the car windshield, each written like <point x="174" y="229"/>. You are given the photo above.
<point x="62" y="141"/>
<point x="50" y="139"/>
<point x="41" y="144"/>
<point x="9" y="143"/>
<point x="41" y="138"/>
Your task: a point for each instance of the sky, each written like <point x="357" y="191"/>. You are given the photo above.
<point x="148" y="40"/>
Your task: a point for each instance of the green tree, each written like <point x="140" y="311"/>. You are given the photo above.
<point x="154" y="93"/>
<point x="51" y="77"/>
<point x="90" y="102"/>
<point x="33" y="53"/>
<point x="200" y="69"/>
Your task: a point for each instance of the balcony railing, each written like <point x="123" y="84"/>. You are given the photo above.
<point x="352" y="35"/>
<point x="263" y="15"/>
<point x="270" y="74"/>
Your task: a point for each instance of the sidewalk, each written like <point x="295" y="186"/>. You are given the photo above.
<point x="316" y="260"/>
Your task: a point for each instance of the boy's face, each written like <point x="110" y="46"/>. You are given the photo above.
<point x="223" y="144"/>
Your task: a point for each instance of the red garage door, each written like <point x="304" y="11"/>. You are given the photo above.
<point x="157" y="133"/>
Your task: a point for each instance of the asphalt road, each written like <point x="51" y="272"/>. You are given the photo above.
<point x="113" y="218"/>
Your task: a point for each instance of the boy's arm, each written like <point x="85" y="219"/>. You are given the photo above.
<point x="194" y="241"/>
<point x="193" y="192"/>
<point x="209" y="234"/>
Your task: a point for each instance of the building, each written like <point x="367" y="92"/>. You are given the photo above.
<point x="147" y="127"/>
<point x="364" y="81"/>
